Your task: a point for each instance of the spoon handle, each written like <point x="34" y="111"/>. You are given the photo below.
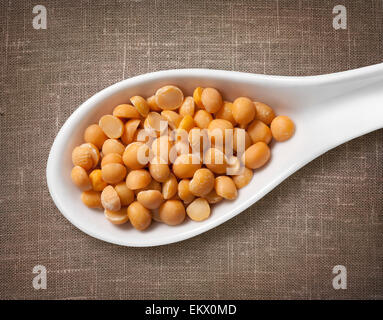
<point x="348" y="105"/>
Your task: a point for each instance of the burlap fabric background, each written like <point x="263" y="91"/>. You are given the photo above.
<point x="284" y="246"/>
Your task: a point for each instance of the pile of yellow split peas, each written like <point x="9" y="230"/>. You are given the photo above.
<point x="168" y="156"/>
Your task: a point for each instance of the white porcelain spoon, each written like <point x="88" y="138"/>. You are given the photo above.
<point x="328" y="110"/>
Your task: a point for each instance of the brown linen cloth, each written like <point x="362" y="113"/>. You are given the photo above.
<point x="283" y="247"/>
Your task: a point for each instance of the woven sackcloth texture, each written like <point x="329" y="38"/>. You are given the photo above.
<point x="283" y="247"/>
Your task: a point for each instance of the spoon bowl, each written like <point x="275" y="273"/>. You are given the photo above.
<point x="328" y="110"/>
